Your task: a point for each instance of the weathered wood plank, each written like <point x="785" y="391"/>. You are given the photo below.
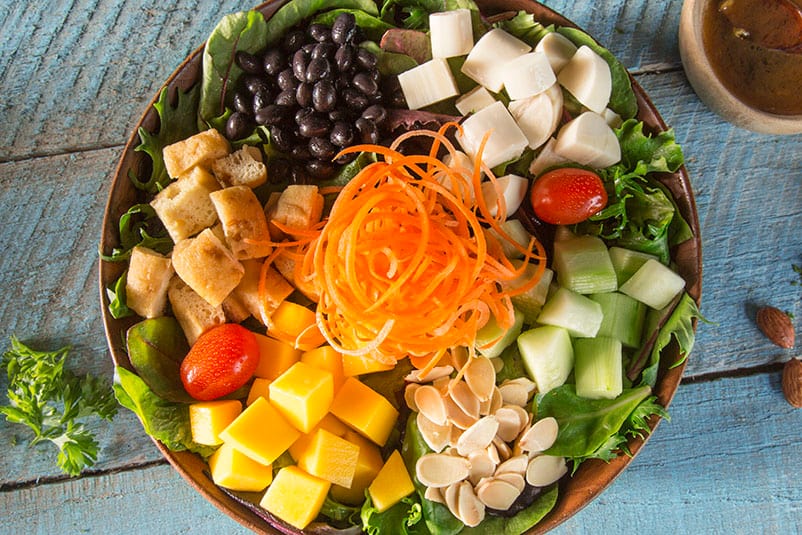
<point x="725" y="463"/>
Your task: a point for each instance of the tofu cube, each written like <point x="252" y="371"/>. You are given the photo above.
<point x="331" y="458"/>
<point x="208" y="418"/>
<point x="368" y="465"/>
<point x="241" y="168"/>
<point x="184" y="207"/>
<point x="303" y="394"/>
<point x="260" y="432"/>
<point x="295" y="496"/>
<point x="364" y="410"/>
<point x="207" y="266"/>
<point x="198" y="150"/>
<point x="244" y="222"/>
<point x="194" y="313"/>
<point x="233" y="470"/>
<point x="276" y="357"/>
<point x="146" y="284"/>
<point x="392" y="483"/>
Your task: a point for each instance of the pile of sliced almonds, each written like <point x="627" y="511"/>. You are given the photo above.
<point x="485" y="443"/>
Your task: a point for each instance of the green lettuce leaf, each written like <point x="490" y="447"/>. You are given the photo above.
<point x="139" y="226"/>
<point x="371" y="25"/>
<point x="292" y="13"/>
<point x="524" y="26"/>
<point x="404" y="518"/>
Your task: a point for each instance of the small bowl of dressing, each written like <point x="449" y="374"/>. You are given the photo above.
<point x="744" y="60"/>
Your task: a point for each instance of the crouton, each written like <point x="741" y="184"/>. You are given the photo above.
<point x="198" y="150"/>
<point x="184" y="206"/>
<point x="244" y="223"/>
<point x="276" y="287"/>
<point x="270" y="210"/>
<point x="234" y="309"/>
<point x="285" y="265"/>
<point x="241" y="168"/>
<point x="194" y="314"/>
<point x="299" y="207"/>
<point x="206" y="265"/>
<point x="149" y="273"/>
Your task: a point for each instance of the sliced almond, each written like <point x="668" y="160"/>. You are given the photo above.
<point x="451" y="497"/>
<point x="541" y="436"/>
<point x="516" y="480"/>
<point x="459" y="356"/>
<point x="481" y="378"/>
<point x="497" y="401"/>
<point x="434" y="495"/>
<point x="409" y="396"/>
<point x="436" y="436"/>
<point x="430" y="402"/>
<point x="440" y="470"/>
<point x="482" y="465"/>
<point x="478" y="436"/>
<point x="416" y="376"/>
<point x="504" y="450"/>
<point x="525" y="382"/>
<point x="492" y="452"/>
<point x="453" y="437"/>
<point x="457" y="416"/>
<point x="516" y="465"/>
<point x="498" y="364"/>
<point x="514" y="394"/>
<point x="498" y="494"/>
<point x="464" y="397"/>
<point x="441" y="384"/>
<point x="484" y="407"/>
<point x="544" y="470"/>
<point x="509" y="423"/>
<point x="471" y="509"/>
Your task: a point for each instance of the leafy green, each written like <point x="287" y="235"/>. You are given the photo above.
<point x="293" y="13"/>
<point x="596" y="428"/>
<point x="414" y="14"/>
<point x="371" y="25"/>
<point x="166" y="421"/>
<point x="244" y="31"/>
<point x="403" y="518"/>
<point x="52" y="402"/>
<point x="139" y="226"/>
<point x="339" y="513"/>
<point x="118" y="308"/>
<point x="622" y="99"/>
<point x="524" y="26"/>
<point x="156" y="348"/>
<point x="522" y="521"/>
<point x="175" y="123"/>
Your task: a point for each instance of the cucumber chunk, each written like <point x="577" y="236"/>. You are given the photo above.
<point x="626" y="262"/>
<point x="491" y="339"/>
<point x="598" y="367"/>
<point x="583" y="265"/>
<point x="579" y="315"/>
<point x="623" y="318"/>
<point x="547" y="355"/>
<point x="654" y="284"/>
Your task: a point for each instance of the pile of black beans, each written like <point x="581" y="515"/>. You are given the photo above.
<point x="316" y="92"/>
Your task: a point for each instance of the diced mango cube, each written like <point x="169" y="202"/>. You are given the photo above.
<point x="326" y="358"/>
<point x="331" y="458"/>
<point x="295" y="496"/>
<point x="296" y="325"/>
<point x="330" y="423"/>
<point x="391" y="484"/>
<point x="303" y="394"/>
<point x="208" y="418"/>
<point x="236" y="471"/>
<point x="364" y="410"/>
<point x="354" y="365"/>
<point x="259" y="389"/>
<point x="368" y="465"/>
<point x="260" y="432"/>
<point x="275" y="357"/>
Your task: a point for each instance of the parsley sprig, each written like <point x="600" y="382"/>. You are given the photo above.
<point x="52" y="401"/>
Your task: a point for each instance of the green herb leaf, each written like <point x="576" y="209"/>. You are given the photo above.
<point x="118" y="306"/>
<point x="139" y="226"/>
<point x="52" y="401"/>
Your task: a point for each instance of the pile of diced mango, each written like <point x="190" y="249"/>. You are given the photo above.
<point x="312" y="404"/>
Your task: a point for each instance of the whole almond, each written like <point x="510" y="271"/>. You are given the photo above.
<point x="792" y="382"/>
<point x="776" y="325"/>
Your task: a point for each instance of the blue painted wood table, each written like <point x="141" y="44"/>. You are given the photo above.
<point x="75" y="75"/>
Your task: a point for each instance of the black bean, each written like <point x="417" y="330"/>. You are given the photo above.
<point x="286" y="98"/>
<point x="260" y="100"/>
<point x="321" y="148"/>
<point x="314" y="125"/>
<point x="342" y="81"/>
<point x="339" y="115"/>
<point x="321" y="169"/>
<point x="248" y="62"/>
<point x="301" y="113"/>
<point x="323" y="50"/>
<point x="319" y="32"/>
<point x="354" y="99"/>
<point x="376" y="113"/>
<point x="324" y="96"/>
<point x="301" y="152"/>
<point x="286" y="80"/>
<point x="342" y="134"/>
<point x="282" y="138"/>
<point x="300" y="60"/>
<point x="242" y="102"/>
<point x="274" y="61"/>
<point x="255" y="84"/>
<point x="365" y="59"/>
<point x="343" y="28"/>
<point x="298" y="174"/>
<point x="318" y="69"/>
<point x="272" y="114"/>
<point x="365" y="83"/>
<point x="303" y="94"/>
<point x="280" y="171"/>
<point x="344" y="57"/>
<point x="238" y="126"/>
<point x="396" y="99"/>
<point x="368" y="131"/>
<point x="293" y="41"/>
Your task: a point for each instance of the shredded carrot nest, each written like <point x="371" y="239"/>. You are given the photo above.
<point x="403" y="265"/>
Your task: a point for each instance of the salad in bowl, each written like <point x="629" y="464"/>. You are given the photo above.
<point x="400" y="267"/>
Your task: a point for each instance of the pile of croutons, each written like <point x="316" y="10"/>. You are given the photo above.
<point x="222" y="234"/>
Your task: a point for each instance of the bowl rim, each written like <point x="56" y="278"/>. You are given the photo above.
<point x="591" y="478"/>
<point x="711" y="91"/>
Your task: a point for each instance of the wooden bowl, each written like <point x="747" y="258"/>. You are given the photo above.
<point x="712" y="91"/>
<point x="590" y="479"/>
